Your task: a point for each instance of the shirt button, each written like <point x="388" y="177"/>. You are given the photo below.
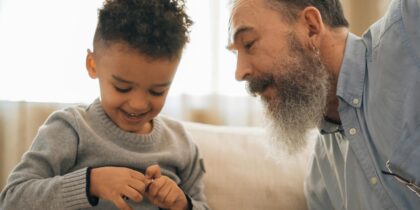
<point x="352" y="131"/>
<point x="373" y="180"/>
<point x="355" y="101"/>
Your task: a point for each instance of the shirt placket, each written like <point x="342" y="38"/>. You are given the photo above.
<point x="358" y="143"/>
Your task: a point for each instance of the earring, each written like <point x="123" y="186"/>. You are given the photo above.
<point x="315" y="50"/>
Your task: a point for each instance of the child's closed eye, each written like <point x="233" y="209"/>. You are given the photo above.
<point x="157" y="93"/>
<point x="122" y="90"/>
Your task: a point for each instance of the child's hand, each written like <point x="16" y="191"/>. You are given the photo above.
<point x="114" y="183"/>
<point x="163" y="191"/>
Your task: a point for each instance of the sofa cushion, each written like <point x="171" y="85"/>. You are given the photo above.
<point x="240" y="176"/>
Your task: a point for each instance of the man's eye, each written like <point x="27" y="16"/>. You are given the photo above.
<point x="155" y="93"/>
<point x="248" y="45"/>
<point x="122" y="90"/>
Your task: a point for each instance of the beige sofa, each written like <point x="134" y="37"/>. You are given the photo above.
<point x="239" y="174"/>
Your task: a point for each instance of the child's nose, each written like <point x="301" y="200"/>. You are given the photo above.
<point x="140" y="103"/>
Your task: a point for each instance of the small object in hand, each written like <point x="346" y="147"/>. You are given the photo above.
<point x="150" y="181"/>
<point x="147" y="188"/>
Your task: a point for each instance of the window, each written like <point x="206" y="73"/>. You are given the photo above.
<point x="44" y="43"/>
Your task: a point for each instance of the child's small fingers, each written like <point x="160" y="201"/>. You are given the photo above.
<point x="155" y="187"/>
<point x="138" y="185"/>
<point x="132" y="194"/>
<point x="172" y="197"/>
<point x="152" y="200"/>
<point x="136" y="175"/>
<point x="121" y="204"/>
<point x="163" y="193"/>
<point x="147" y="184"/>
<point x="153" y="171"/>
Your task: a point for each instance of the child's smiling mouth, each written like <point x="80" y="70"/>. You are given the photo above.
<point x="134" y="117"/>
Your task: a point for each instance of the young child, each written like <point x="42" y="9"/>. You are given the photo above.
<point x="117" y="153"/>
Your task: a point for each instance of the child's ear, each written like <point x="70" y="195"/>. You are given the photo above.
<point x="90" y="65"/>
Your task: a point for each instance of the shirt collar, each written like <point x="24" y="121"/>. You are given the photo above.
<point x="352" y="72"/>
<point x="328" y="127"/>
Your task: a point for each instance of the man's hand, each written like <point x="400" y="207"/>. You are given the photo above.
<point x="114" y="183"/>
<point x="163" y="191"/>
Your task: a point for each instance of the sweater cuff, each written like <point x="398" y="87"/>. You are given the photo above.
<point x="92" y="199"/>
<point x="74" y="190"/>
<point x="190" y="205"/>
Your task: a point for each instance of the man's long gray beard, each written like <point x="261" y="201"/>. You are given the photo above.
<point x="301" y="91"/>
<point x="299" y="105"/>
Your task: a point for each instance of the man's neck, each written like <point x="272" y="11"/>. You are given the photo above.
<point x="332" y="55"/>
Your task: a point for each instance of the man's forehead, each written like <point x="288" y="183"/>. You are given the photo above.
<point x="244" y="8"/>
<point x="244" y="14"/>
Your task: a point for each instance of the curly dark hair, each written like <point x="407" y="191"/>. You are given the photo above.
<point x="331" y="10"/>
<point x="155" y="28"/>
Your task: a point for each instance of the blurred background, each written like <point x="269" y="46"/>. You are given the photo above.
<point x="43" y="46"/>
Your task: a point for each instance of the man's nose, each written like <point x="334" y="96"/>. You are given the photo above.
<point x="243" y="68"/>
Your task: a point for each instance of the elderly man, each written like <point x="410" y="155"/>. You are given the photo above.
<point x="362" y="93"/>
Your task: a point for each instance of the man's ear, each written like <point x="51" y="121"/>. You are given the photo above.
<point x="314" y="26"/>
<point x="90" y="65"/>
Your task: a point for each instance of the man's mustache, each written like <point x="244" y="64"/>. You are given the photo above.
<point x="257" y="85"/>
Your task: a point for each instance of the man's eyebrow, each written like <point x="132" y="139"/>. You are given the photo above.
<point x="239" y="31"/>
<point x="119" y="79"/>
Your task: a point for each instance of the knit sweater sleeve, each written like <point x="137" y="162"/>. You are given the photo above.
<point x="193" y="179"/>
<point x="45" y="178"/>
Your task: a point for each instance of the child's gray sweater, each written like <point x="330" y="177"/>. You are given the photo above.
<point x="53" y="173"/>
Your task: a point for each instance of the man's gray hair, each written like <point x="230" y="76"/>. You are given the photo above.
<point x="331" y="10"/>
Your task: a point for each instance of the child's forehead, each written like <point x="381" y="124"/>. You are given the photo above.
<point x="123" y="55"/>
<point x="122" y="48"/>
<point x="106" y="47"/>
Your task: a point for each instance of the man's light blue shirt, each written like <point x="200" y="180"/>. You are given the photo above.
<point x="379" y="106"/>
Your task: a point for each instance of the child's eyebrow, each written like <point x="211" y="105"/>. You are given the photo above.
<point x="119" y="79"/>
<point x="166" y="84"/>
